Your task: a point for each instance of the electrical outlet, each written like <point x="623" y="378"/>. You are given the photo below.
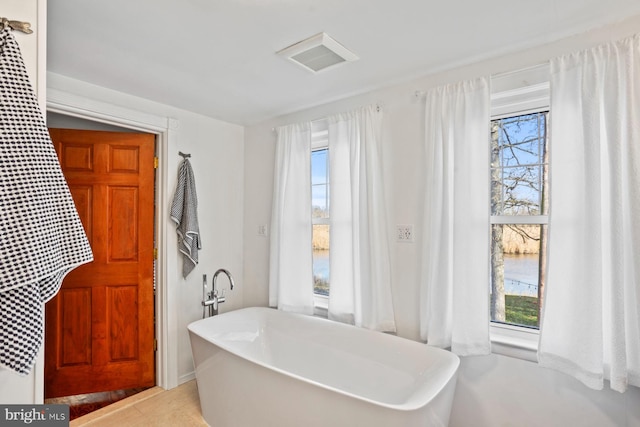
<point x="404" y="233"/>
<point x="262" y="230"/>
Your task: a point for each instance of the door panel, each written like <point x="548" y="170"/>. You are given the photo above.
<point x="99" y="328"/>
<point x="82" y="197"/>
<point x="75" y="348"/>
<point x="122" y="224"/>
<point x="123" y="333"/>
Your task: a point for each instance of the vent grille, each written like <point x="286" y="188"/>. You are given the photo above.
<point x="318" y="53"/>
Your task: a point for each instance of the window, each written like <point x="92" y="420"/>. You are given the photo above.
<point x="320" y="208"/>
<point x="519" y="146"/>
<point x="519" y="209"/>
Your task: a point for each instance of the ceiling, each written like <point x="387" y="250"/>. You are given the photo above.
<point x="218" y="57"/>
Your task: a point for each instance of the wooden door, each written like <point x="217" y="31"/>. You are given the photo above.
<point x="100" y="327"/>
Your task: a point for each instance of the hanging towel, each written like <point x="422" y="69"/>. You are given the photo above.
<point x="184" y="211"/>
<point x="41" y="236"/>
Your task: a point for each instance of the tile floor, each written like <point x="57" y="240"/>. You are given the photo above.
<point x="153" y="407"/>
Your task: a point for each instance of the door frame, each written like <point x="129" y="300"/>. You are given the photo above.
<point x="166" y="329"/>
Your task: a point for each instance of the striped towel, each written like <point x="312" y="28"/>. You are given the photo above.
<point x="41" y="236"/>
<point x="184" y="211"/>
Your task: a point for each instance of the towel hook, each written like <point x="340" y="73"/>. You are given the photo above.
<point x="184" y="155"/>
<point x="25" y="27"/>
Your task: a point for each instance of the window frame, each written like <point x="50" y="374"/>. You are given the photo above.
<point x="510" y="97"/>
<point x="320" y="141"/>
<point x="521" y="219"/>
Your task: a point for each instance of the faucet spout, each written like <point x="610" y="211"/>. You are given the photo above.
<point x="226" y="272"/>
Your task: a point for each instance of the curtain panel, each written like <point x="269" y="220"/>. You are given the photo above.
<point x="290" y="263"/>
<point x="591" y="321"/>
<point x="359" y="248"/>
<point x="360" y="282"/>
<point x="454" y="301"/>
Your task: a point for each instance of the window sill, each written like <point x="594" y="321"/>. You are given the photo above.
<point x="514" y="341"/>
<point x="321" y="306"/>
<point x="506" y="340"/>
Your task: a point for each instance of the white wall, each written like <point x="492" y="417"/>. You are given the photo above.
<point x="217" y="158"/>
<point x="493" y="390"/>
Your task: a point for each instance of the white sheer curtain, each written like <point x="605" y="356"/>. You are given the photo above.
<point x="291" y="270"/>
<point x="360" y="274"/>
<point x="591" y="321"/>
<point x="454" y="298"/>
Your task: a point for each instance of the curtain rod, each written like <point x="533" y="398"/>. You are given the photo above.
<point x="378" y="106"/>
<point x="420" y="93"/>
<point x="24" y="27"/>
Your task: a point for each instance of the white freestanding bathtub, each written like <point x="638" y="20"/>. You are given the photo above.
<point x="264" y="367"/>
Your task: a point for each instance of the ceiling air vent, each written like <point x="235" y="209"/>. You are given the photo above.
<point x="318" y="53"/>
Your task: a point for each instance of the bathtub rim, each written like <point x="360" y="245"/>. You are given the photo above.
<point x="408" y="406"/>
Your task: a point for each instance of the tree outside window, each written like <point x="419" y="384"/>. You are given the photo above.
<point x="519" y="209"/>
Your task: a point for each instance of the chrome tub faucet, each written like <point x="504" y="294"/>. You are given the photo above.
<point x="213" y="298"/>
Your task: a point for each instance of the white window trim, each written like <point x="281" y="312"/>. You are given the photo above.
<point x="520" y="219"/>
<point x="514" y="341"/>
<point x="510" y="97"/>
<point x="320" y="305"/>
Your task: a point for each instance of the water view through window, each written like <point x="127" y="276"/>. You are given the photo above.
<point x="320" y="261"/>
